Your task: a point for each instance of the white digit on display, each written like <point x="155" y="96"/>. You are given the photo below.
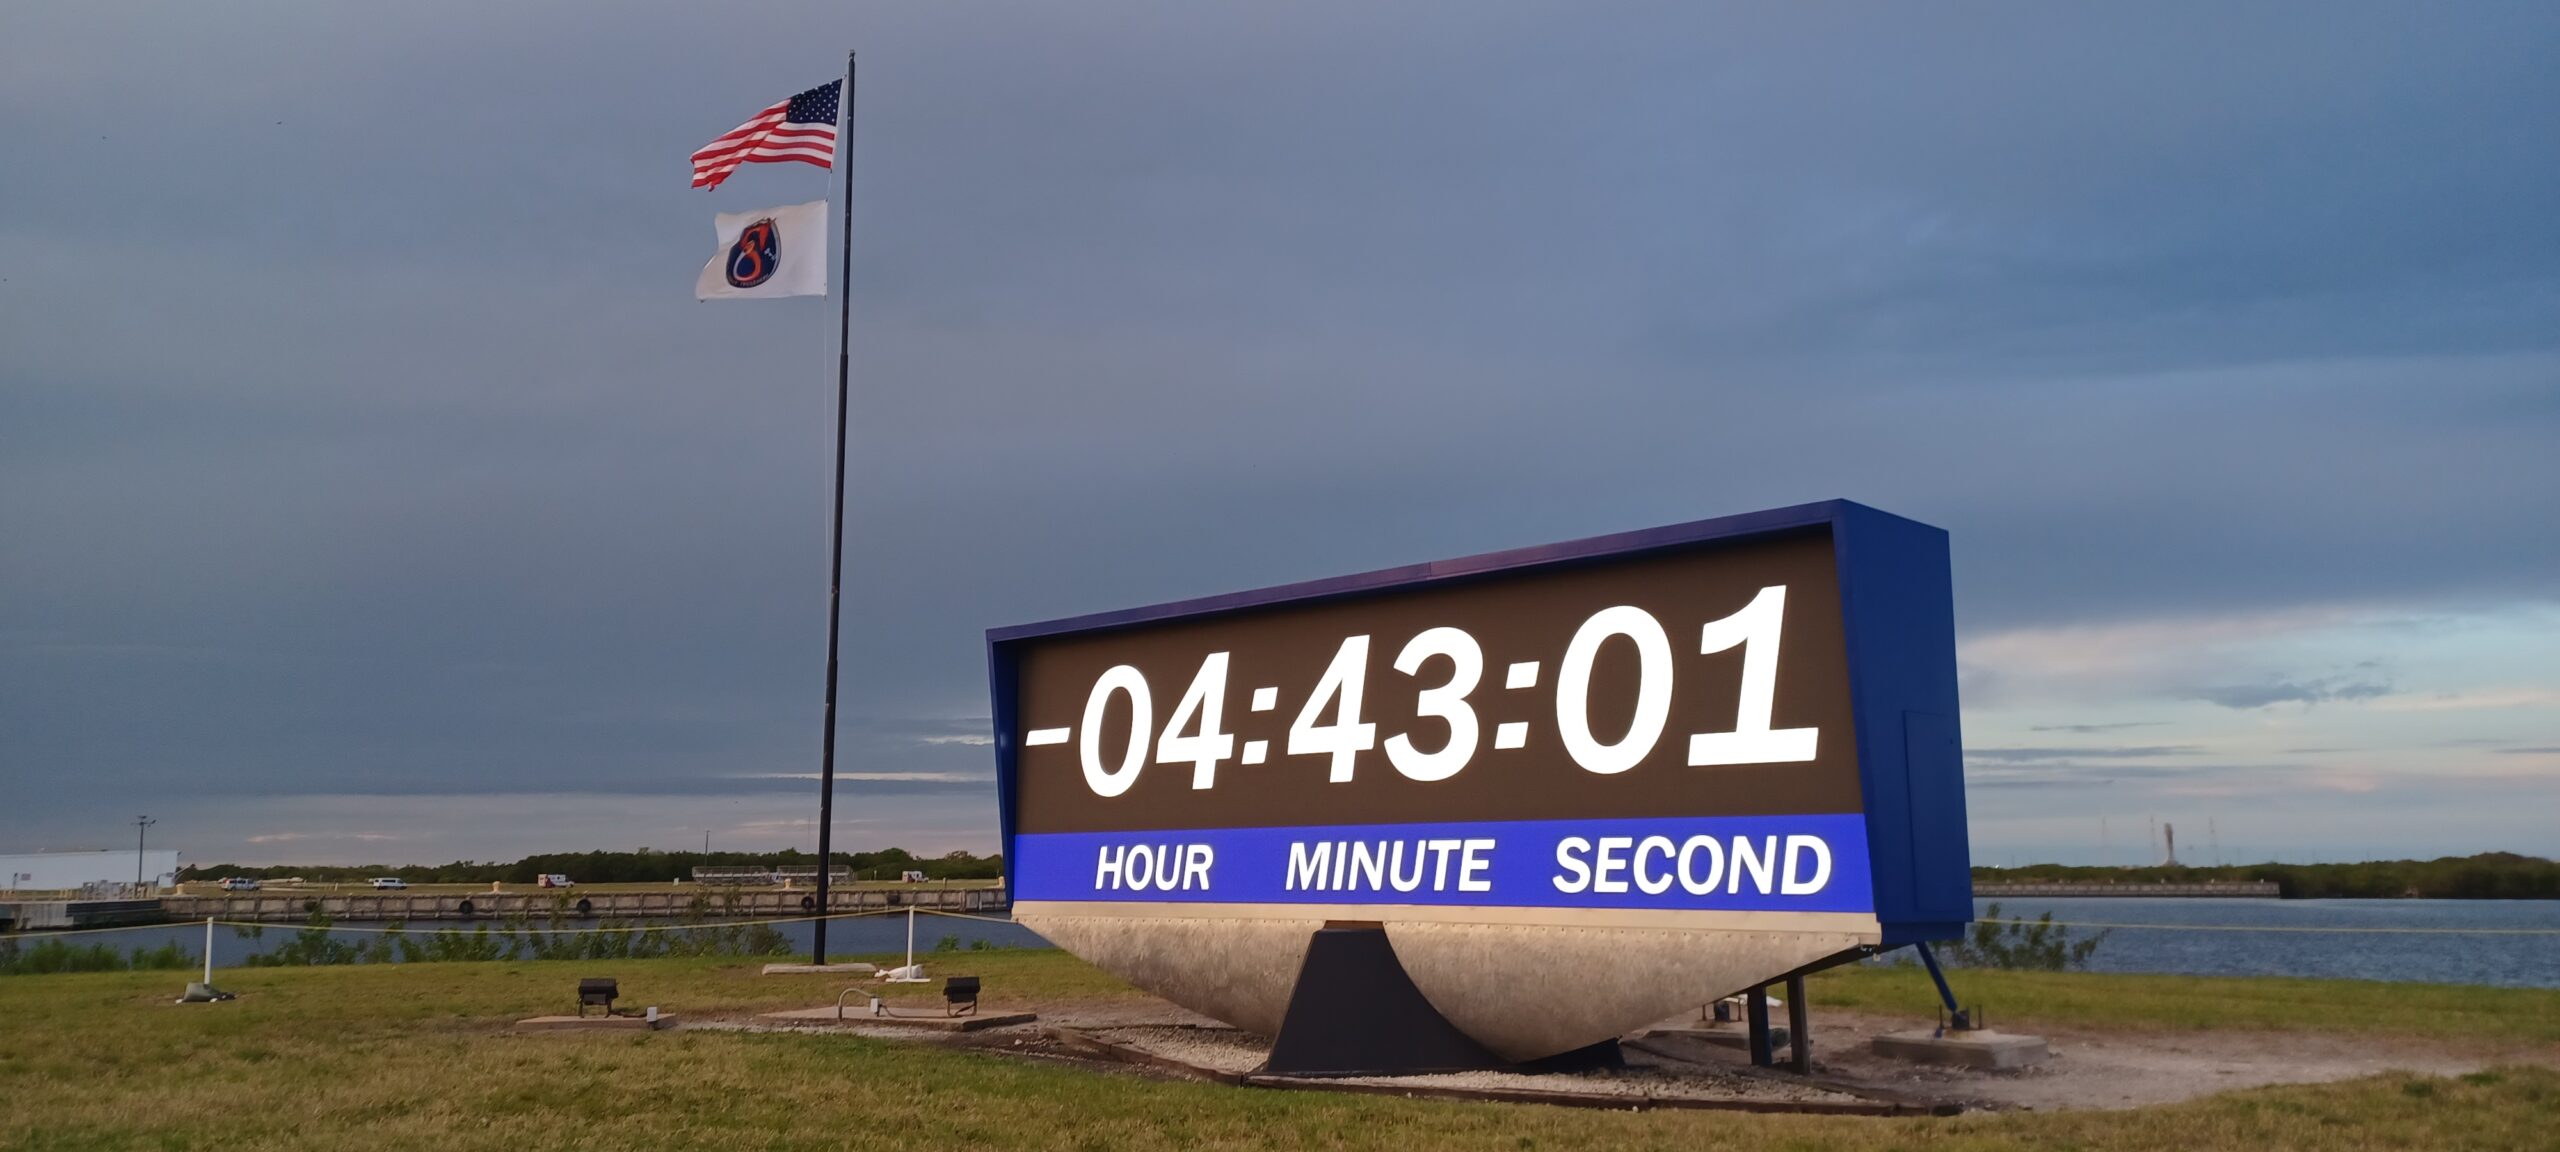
<point x="1653" y="689"/>
<point x="1756" y="628"/>
<point x="1347" y="737"/>
<point x="1208" y="700"/>
<point x="1142" y="720"/>
<point x="1447" y="702"/>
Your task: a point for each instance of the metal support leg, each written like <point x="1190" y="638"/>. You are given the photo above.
<point x="1956" y="1017"/>
<point x="1929" y="959"/>
<point x="1799" y="1035"/>
<point x="1756" y="1008"/>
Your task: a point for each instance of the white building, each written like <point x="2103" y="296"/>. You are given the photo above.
<point x="65" y="871"/>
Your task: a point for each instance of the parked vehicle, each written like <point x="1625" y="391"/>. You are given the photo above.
<point x="553" y="880"/>
<point x="239" y="884"/>
<point x="911" y="877"/>
<point x="389" y="883"/>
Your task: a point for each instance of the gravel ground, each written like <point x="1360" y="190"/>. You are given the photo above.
<point x="2089" y="1069"/>
<point x="1646" y="1075"/>
<point x="878" y="1031"/>
<point x="1664" y="1080"/>
<point x="1120" y="1013"/>
<point x="1221" y="1049"/>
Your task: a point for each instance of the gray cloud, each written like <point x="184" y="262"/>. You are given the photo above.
<point x="2116" y="752"/>
<point x="867" y="785"/>
<point x="2246" y="696"/>
<point x="2071" y="774"/>
<point x="2037" y="783"/>
<point x="379" y="451"/>
<point x="2075" y="774"/>
<point x="2096" y="729"/>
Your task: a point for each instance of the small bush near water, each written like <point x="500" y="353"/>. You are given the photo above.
<point x="2041" y="945"/>
<point x="56" y="955"/>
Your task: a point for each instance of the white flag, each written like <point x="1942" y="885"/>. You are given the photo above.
<point x="775" y="252"/>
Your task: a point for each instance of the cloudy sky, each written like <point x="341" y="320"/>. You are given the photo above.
<point x="371" y="487"/>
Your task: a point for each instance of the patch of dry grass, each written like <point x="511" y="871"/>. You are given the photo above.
<point x="419" y="1056"/>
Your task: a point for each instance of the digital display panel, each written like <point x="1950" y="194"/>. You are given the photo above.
<point x="1669" y="729"/>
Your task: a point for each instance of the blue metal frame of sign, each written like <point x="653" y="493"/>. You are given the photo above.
<point x="1897" y="609"/>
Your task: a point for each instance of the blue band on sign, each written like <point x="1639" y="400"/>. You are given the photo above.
<point x="1813" y="863"/>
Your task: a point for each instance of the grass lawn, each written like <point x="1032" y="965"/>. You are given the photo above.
<point x="419" y="1056"/>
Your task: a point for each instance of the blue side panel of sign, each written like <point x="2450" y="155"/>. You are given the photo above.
<point x="1814" y="863"/>
<point x="1004" y="691"/>
<point x="1898" y="604"/>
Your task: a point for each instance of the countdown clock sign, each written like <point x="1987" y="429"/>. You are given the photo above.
<point x="1746" y="716"/>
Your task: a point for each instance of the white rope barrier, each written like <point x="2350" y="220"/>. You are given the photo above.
<point x="968" y="916"/>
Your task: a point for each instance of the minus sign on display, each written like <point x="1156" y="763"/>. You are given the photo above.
<point x="1039" y="736"/>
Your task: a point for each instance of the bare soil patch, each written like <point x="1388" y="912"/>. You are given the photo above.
<point x="2134" y="1069"/>
<point x="2089" y="1070"/>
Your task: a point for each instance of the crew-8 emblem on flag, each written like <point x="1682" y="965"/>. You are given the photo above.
<point x="751" y="258"/>
<point x="773" y="252"/>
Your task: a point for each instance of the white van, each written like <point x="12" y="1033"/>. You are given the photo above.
<point x="389" y="883"/>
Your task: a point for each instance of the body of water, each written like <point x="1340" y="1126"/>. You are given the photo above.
<point x="2322" y="938"/>
<point x="2341" y="939"/>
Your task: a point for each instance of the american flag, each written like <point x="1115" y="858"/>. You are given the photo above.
<point x="801" y="128"/>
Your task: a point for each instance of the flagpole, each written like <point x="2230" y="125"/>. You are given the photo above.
<point x="835" y="537"/>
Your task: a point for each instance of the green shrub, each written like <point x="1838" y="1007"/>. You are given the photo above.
<point x="517" y="938"/>
<point x="2041" y="945"/>
<point x="54" y="954"/>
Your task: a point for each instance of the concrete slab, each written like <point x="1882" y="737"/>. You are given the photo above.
<point x="812" y="969"/>
<point x="1981" y="1049"/>
<point x="855" y="1014"/>
<point x="1734" y="1036"/>
<point x="594" y="1023"/>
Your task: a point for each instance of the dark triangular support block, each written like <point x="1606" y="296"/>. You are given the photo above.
<point x="1605" y="1056"/>
<point x="1355" y="1012"/>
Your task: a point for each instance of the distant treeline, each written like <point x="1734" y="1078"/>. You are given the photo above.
<point x="2488" y="876"/>
<point x="641" y="867"/>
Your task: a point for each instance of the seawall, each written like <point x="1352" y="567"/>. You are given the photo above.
<point x="2236" y="889"/>
<point x="286" y="908"/>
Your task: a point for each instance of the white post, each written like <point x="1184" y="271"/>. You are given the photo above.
<point x="911" y="938"/>
<point x="208" y="950"/>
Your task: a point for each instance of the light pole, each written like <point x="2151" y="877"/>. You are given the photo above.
<point x="142" y="835"/>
